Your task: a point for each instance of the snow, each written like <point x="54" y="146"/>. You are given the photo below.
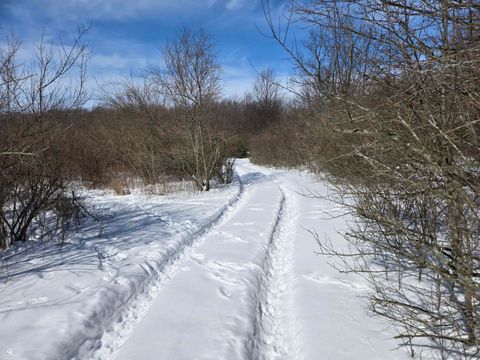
<point x="229" y="274"/>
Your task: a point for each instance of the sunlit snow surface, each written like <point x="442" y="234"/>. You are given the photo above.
<point x="229" y="274"/>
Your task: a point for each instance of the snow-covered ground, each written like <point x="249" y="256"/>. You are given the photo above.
<point x="229" y="274"/>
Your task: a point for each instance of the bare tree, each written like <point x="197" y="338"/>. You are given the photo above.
<point x="266" y="88"/>
<point x="266" y="105"/>
<point x="331" y="60"/>
<point x="190" y="81"/>
<point x="190" y="75"/>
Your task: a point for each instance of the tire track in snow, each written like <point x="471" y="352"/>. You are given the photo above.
<point x="161" y="271"/>
<point x="275" y="332"/>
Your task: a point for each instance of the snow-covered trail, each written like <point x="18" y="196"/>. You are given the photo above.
<point x="253" y="288"/>
<point x="228" y="274"/>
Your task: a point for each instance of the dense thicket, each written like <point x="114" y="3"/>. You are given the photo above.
<point x="391" y="94"/>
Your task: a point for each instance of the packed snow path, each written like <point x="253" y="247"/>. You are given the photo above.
<point x="253" y="288"/>
<point x="229" y="274"/>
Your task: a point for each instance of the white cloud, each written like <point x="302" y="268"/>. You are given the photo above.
<point x="117" y="61"/>
<point x="237" y="88"/>
<point x="115" y="9"/>
<point x="235" y="4"/>
<point x="237" y="79"/>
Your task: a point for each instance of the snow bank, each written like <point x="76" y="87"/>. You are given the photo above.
<point x="57" y="301"/>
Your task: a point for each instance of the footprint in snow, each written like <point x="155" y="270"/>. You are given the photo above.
<point x="46" y="275"/>
<point x="243" y="223"/>
<point x="231" y="237"/>
<point x="224" y="292"/>
<point x="36" y="301"/>
<point x="198" y="258"/>
<point x="323" y="279"/>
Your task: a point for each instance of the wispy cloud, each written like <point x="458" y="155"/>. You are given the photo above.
<point x="238" y="4"/>
<point x="126" y="36"/>
<point x="80" y="10"/>
<point x="117" y="62"/>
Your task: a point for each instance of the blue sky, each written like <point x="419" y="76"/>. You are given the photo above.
<point x="126" y="35"/>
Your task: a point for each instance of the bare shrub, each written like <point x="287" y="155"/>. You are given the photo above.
<point x="401" y="121"/>
<point x="34" y="101"/>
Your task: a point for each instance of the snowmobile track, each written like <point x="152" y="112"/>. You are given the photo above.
<point x="274" y="335"/>
<point x="164" y="270"/>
